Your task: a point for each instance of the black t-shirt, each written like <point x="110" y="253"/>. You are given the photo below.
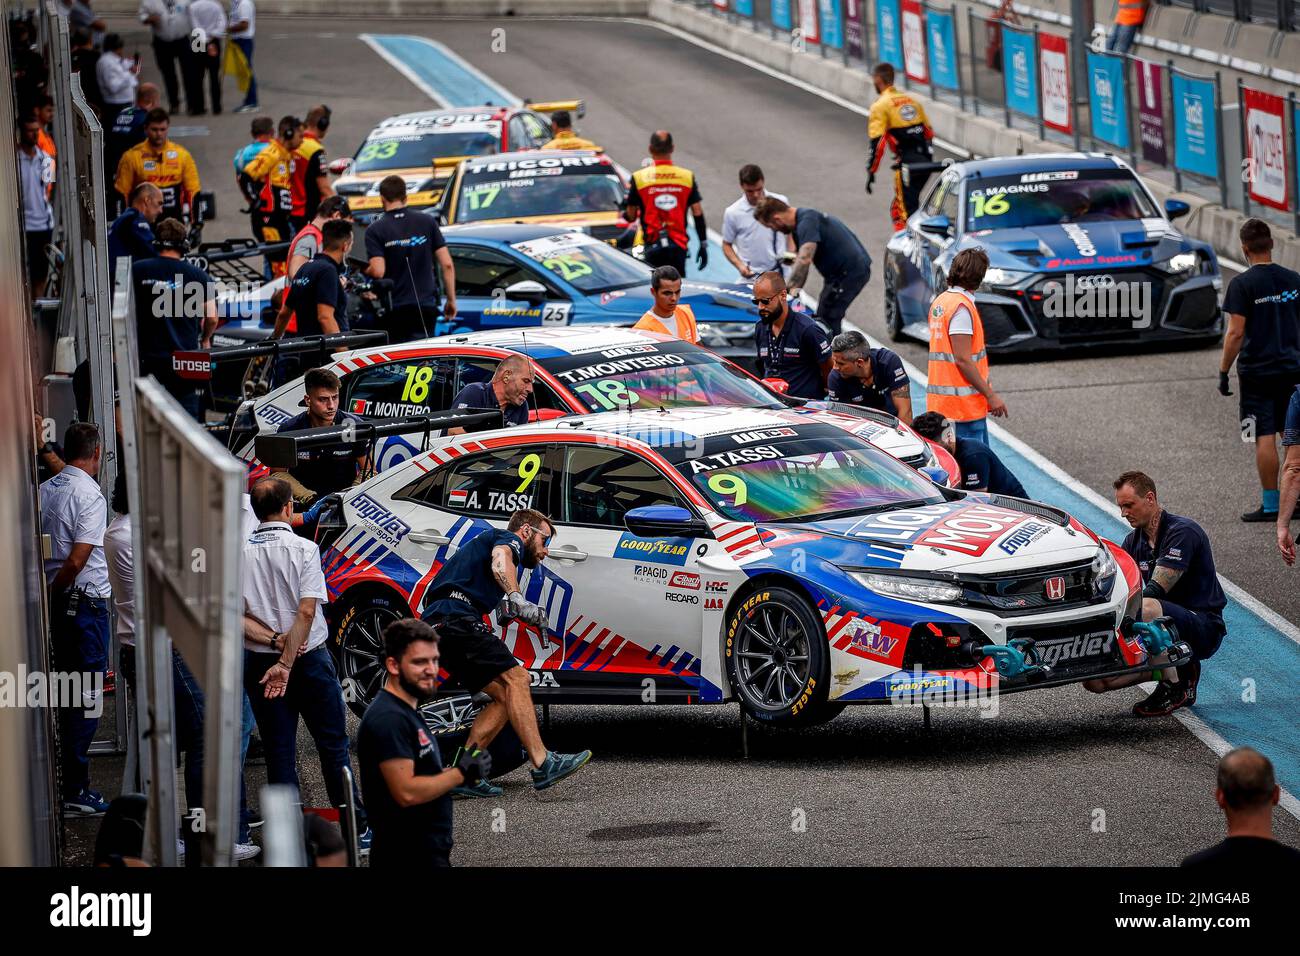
<point x="981" y="468"/>
<point x="170" y="299"/>
<point x="127" y="131"/>
<point x="796" y="356"/>
<point x="465" y="585"/>
<point x="326" y="470"/>
<point x="1268" y="295"/>
<point x="887" y="375"/>
<point x="407" y="240"/>
<point x="392" y="730"/>
<point x="1182" y="545"/>
<point x="316" y="283"/>
<point x="130" y="235"/>
<point x="1245" y="853"/>
<point x="839" y="252"/>
<point x="481" y="395"/>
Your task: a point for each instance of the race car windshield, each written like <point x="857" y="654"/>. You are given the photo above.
<point x="396" y="152"/>
<point x="1055" y="198"/>
<point x="702" y="381"/>
<point x="540" y="195"/>
<point x="805" y="480"/>
<point x="590" y="265"/>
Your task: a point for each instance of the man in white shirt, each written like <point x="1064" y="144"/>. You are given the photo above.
<point x="288" y="671"/>
<point x="749" y="245"/>
<point x="74" y="515"/>
<point x="209" y="21"/>
<point x="170" y="22"/>
<point x="243" y="23"/>
<point x="117" y="76"/>
<point x="36" y="182"/>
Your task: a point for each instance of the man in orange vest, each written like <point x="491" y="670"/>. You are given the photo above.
<point x="667" y="316"/>
<point x="1128" y="18"/>
<point x="959" y="365"/>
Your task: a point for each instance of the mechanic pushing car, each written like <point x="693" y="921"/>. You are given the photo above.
<point x="322" y="471"/>
<point x="668" y="316"/>
<point x="981" y="468"/>
<point x="482" y="575"/>
<point x="867" y="377"/>
<point x="1177" y="565"/>
<point x="898" y="122"/>
<point x="660" y="195"/>
<point x="791" y="346"/>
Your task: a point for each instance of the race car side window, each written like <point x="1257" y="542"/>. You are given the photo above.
<point x="931" y="204"/>
<point x="479" y="272"/>
<point x="602" y="484"/>
<point x="471" y="370"/>
<point x="414" y="386"/>
<point x="519" y="138"/>
<point x="491" y="485"/>
<point x="536" y="128"/>
<point x="948" y="206"/>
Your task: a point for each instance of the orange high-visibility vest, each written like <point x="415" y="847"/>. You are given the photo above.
<point x="683" y="324"/>
<point x="948" y="392"/>
<point x="1131" y="13"/>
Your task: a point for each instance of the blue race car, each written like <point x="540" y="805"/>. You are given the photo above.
<point x="1080" y="254"/>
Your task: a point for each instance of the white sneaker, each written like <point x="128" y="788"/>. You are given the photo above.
<point x="180" y="849"/>
<point x="246" y="851"/>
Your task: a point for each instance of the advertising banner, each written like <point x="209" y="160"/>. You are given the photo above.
<point x="1151" y="111"/>
<point x="855" y="27"/>
<point x="941" y="31"/>
<point x="889" y="33"/>
<point x="1054" y="74"/>
<point x="1196" y="142"/>
<point x="1266" y="168"/>
<point x="832" y="28"/>
<point x="781" y="15"/>
<point x="914" y="41"/>
<point x="1107" y="110"/>
<point x="1018" y="71"/>
<point x="808" y="25"/>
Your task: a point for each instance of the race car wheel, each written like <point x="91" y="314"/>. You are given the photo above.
<point x="359" y="642"/>
<point x="893" y="317"/>
<point x="777" y="658"/>
<point x="449" y="721"/>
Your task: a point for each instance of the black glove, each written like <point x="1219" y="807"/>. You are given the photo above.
<point x="702" y="257"/>
<point x="475" y="764"/>
<point x="871" y="179"/>
<point x="1224" y="389"/>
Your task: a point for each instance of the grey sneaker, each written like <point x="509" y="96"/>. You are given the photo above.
<point x="558" y="766"/>
<point x="480" y="789"/>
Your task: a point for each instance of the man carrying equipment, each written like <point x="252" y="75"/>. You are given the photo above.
<point x="660" y="195"/>
<point x="899" y="122"/>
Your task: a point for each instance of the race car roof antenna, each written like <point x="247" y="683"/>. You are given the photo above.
<point x="523" y="336"/>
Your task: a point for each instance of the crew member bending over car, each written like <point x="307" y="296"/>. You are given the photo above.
<point x="322" y="471"/>
<point x="1177" y="566"/>
<point x="871" y="378"/>
<point x="899" y="122"/>
<point x="981" y="468"/>
<point x="668" y="316"/>
<point x="483" y="575"/>
<point x="509" y="389"/>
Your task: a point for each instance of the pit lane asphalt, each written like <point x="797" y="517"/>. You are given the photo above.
<point x="667" y="784"/>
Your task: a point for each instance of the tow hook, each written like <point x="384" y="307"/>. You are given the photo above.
<point x="1016" y="659"/>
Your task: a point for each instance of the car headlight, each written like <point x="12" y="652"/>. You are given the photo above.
<point x="909" y="589"/>
<point x="1183" y="262"/>
<point x="1000" y="278"/>
<point x="1103" y="570"/>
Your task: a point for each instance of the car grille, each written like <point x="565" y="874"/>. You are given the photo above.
<point x="1026" y="592"/>
<point x="1074" y="646"/>
<point x="1000" y="323"/>
<point x="1196" y="310"/>
<point x="917" y="461"/>
<point x="1111" y="324"/>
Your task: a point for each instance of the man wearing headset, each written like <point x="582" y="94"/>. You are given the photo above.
<point x="175" y="311"/>
<point x="311" y="180"/>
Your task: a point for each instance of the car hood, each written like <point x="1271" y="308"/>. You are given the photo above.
<point x="1103" y="244"/>
<point x="973" y="534"/>
<point x="710" y="301"/>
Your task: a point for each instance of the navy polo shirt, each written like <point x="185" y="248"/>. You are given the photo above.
<point x="316" y="283"/>
<point x="982" y="468"/>
<point x="129" y="235"/>
<point x="326" y="470"/>
<point x="839" y="252"/>
<point x="887" y="375"/>
<point x="1268" y="296"/>
<point x="170" y="300"/>
<point x="407" y="241"/>
<point x="465" y="584"/>
<point x="796" y="355"/>
<point x="1291" y="430"/>
<point x="481" y="395"/>
<point x="1181" y="545"/>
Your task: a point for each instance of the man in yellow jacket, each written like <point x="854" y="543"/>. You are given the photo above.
<point x="958" y="387"/>
<point x="667" y="316"/>
<point x="565" y="137"/>
<point x="167" y="165"/>
<point x="898" y="122"/>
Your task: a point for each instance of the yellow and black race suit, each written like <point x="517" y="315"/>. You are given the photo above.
<point x="898" y="121"/>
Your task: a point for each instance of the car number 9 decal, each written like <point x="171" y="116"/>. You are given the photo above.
<point x="528" y="469"/>
<point x="724" y="484"/>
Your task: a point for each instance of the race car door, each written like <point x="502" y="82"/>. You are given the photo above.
<point x="638" y="602"/>
<point x="482" y="277"/>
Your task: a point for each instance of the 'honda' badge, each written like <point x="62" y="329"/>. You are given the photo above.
<point x="1055" y="589"/>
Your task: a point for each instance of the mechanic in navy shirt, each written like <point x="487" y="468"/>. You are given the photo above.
<point x="315" y="297"/>
<point x="126" y="130"/>
<point x="1263" y="338"/>
<point x="509" y="389"/>
<point x="484" y="574"/>
<point x="791" y="346"/>
<point x="872" y="378"/>
<point x="322" y="471"/>
<point x="825" y="242"/>
<point x="981" y="468"/>
<point x="406" y="790"/>
<point x="175" y="311"/>
<point x="402" y="245"/>
<point x="131" y="234"/>
<point x="1174" y="558"/>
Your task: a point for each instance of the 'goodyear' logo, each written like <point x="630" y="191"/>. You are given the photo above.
<point x="655" y="550"/>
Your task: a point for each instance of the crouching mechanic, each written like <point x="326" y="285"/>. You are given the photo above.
<point x="1177" y="566"/>
<point x="322" y="471"/>
<point x="483" y="575"/>
<point x="981" y="468"/>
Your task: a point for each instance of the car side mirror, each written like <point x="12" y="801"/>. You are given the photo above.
<point x="936" y="225"/>
<point x="340" y="166"/>
<point x="665" y="521"/>
<point x="1176" y="207"/>
<point x="937" y="475"/>
<point x="527" y="290"/>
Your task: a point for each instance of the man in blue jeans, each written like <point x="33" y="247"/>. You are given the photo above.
<point x="243" y="16"/>
<point x="288" y="672"/>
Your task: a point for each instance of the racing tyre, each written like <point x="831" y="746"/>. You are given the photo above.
<point x="359" y="643"/>
<point x="449" y="720"/>
<point x="778" y="660"/>
<point x="893" y="317"/>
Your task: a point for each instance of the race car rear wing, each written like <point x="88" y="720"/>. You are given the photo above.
<point x="280" y="449"/>
<point x="577" y="107"/>
<point x="199" y="364"/>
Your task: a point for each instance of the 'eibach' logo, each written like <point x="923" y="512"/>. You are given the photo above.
<point x="685" y="579"/>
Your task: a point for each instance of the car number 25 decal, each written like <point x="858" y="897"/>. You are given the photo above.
<point x="556" y="313"/>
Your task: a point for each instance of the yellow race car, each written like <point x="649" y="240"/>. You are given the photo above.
<point x="425" y="148"/>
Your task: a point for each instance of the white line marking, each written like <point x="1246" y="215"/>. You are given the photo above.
<point x="403" y="69"/>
